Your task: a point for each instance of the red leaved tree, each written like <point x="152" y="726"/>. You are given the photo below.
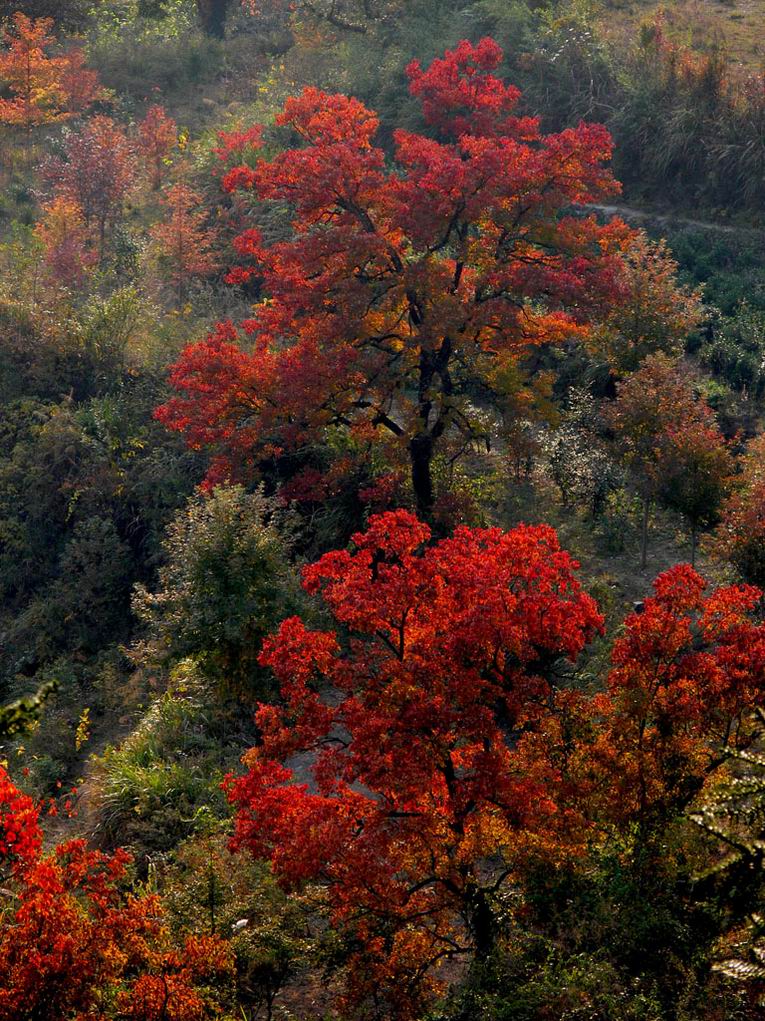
<point x="402" y="287"/>
<point x="157" y="135"/>
<point x="74" y="945"/>
<point x="97" y="172"/>
<point x="80" y="83"/>
<point x="184" y="241"/>
<point x="418" y="811"/>
<point x="686" y="674"/>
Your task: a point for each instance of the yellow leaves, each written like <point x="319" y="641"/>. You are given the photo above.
<point x="487" y="834"/>
<point x="82" y="734"/>
<point x="654" y="314"/>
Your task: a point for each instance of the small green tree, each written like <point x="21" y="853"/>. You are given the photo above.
<point x="225" y="585"/>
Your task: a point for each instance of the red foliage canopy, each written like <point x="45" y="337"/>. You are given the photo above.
<point x="685" y="673"/>
<point x="415" y="786"/>
<point x="401" y="284"/>
<point x="73" y="945"/>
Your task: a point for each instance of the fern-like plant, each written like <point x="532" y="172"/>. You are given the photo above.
<point x="734" y="816"/>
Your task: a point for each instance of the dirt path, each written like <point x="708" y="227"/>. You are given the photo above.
<point x="671" y="219"/>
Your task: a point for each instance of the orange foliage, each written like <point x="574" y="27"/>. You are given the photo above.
<point x="73" y="945"/>
<point x="66" y="242"/>
<point x="183" y="240"/>
<point x="157" y="134"/>
<point x="45" y="89"/>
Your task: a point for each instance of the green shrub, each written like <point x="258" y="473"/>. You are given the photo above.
<point x="164" y="780"/>
<point x="226" y="584"/>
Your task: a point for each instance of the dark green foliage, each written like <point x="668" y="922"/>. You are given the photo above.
<point x="533" y="981"/>
<point x="70" y="14"/>
<point x="18" y="716"/>
<point x="212" y="16"/>
<point x="623" y="940"/>
<point x="85" y="494"/>
<point x="728" y="263"/>
<point x="733" y="347"/>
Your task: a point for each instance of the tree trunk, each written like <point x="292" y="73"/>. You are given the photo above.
<point x="101" y="240"/>
<point x="644" y="535"/>
<point x="421" y="455"/>
<point x="212" y="16"/>
<point x="432" y="365"/>
<point x="694" y="539"/>
<point x="482" y="925"/>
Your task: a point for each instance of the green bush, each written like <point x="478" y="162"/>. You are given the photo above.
<point x="226" y="584"/>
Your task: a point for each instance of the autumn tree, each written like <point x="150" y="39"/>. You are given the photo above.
<point x="740" y="536"/>
<point x="157" y="135"/>
<point x="655" y="314"/>
<point x="80" y="83"/>
<point x="652" y="410"/>
<point x="699" y="468"/>
<point x="74" y="944"/>
<point x="418" y="811"/>
<point x="31" y="74"/>
<point x="686" y="674"/>
<point x="96" y="172"/>
<point x="402" y="287"/>
<point x="67" y="253"/>
<point x="44" y="88"/>
<point x="183" y="241"/>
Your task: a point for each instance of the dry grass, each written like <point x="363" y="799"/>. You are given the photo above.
<point x="737" y="25"/>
